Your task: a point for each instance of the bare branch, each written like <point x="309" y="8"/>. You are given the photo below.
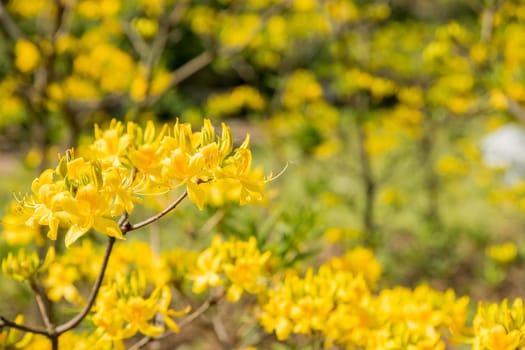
<point x="9" y="25"/>
<point x="157" y="216"/>
<point x="72" y="323"/>
<point x="515" y="109"/>
<point x="187" y="320"/>
<point x="42" y="308"/>
<point x="180" y="74"/>
<point x="206" y="57"/>
<point x="200" y="310"/>
<point x="211" y="222"/>
<point x="138" y="43"/>
<point x="21" y="327"/>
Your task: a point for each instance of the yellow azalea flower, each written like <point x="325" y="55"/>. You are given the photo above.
<point x="498" y="326"/>
<point x="145" y="26"/>
<point x="27" y="56"/>
<point x="109" y="323"/>
<point x="43" y="205"/>
<point x="122" y="309"/>
<point x="88" y="191"/>
<point x="359" y="260"/>
<point x="497" y="338"/>
<point x="11" y="338"/>
<point x="451" y="166"/>
<point x="137" y="312"/>
<point x="163" y="308"/>
<point x="26" y="266"/>
<point x="237" y="264"/>
<point x="60" y="283"/>
<point x="88" y="209"/>
<point x="302" y="87"/>
<point x="206" y="272"/>
<point x="502" y="253"/>
<point x="16" y="231"/>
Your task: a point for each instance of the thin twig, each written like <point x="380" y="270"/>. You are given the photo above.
<point x="187" y="320"/>
<point x="21" y="327"/>
<point x="44" y="311"/>
<point x="159" y="215"/>
<point x="199" y="311"/>
<point x="136" y="40"/>
<point x="515" y="109"/>
<point x="206" y="57"/>
<point x="212" y="222"/>
<point x="9" y="25"/>
<point x="180" y="74"/>
<point x="78" y="318"/>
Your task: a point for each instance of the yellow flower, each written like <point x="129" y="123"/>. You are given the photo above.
<point x="359" y="260"/>
<point x="27" y="56"/>
<point x="90" y="191"/>
<point x="451" y="166"/>
<point x="502" y="253"/>
<point x="26" y="266"/>
<point x="206" y="271"/>
<point x="497" y="338"/>
<point x="122" y="309"/>
<point x="163" y="309"/>
<point x="16" y="231"/>
<point x="145" y="26"/>
<point x="238" y="264"/>
<point x="29" y="8"/>
<point x="60" y="283"/>
<point x="89" y="210"/>
<point x="498" y="326"/>
<point x="302" y="87"/>
<point x="11" y="338"/>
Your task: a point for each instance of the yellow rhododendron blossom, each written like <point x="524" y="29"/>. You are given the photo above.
<point x="122" y="309"/>
<point x="11" y="338"/>
<point x="502" y="253"/>
<point x="498" y="326"/>
<point x="451" y="166"/>
<point x="302" y="86"/>
<point x="27" y="56"/>
<point x="237" y="264"/>
<point x="123" y="163"/>
<point x="26" y="266"/>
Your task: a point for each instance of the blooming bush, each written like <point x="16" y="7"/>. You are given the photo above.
<point x="384" y="216"/>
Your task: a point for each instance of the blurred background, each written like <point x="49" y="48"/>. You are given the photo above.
<point x="397" y="125"/>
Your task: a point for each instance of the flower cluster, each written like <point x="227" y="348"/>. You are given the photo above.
<point x="14" y="338"/>
<point x="338" y="305"/>
<point x="315" y="303"/>
<point x="236" y="264"/>
<point x="499" y="326"/>
<point x="123" y="162"/>
<point x="26" y="266"/>
<point x="122" y="309"/>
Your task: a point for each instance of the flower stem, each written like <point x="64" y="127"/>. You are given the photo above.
<point x="157" y="216"/>
<point x="72" y="323"/>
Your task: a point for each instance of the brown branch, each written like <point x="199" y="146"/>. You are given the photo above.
<point x="487" y="23"/>
<point x="204" y="58"/>
<point x="200" y="310"/>
<point x="42" y="307"/>
<point x="515" y="109"/>
<point x="151" y="54"/>
<point x="157" y="216"/>
<point x="140" y="46"/>
<point x="211" y="222"/>
<point x="72" y="323"/>
<point x="180" y="74"/>
<point x="5" y="322"/>
<point x="9" y="25"/>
